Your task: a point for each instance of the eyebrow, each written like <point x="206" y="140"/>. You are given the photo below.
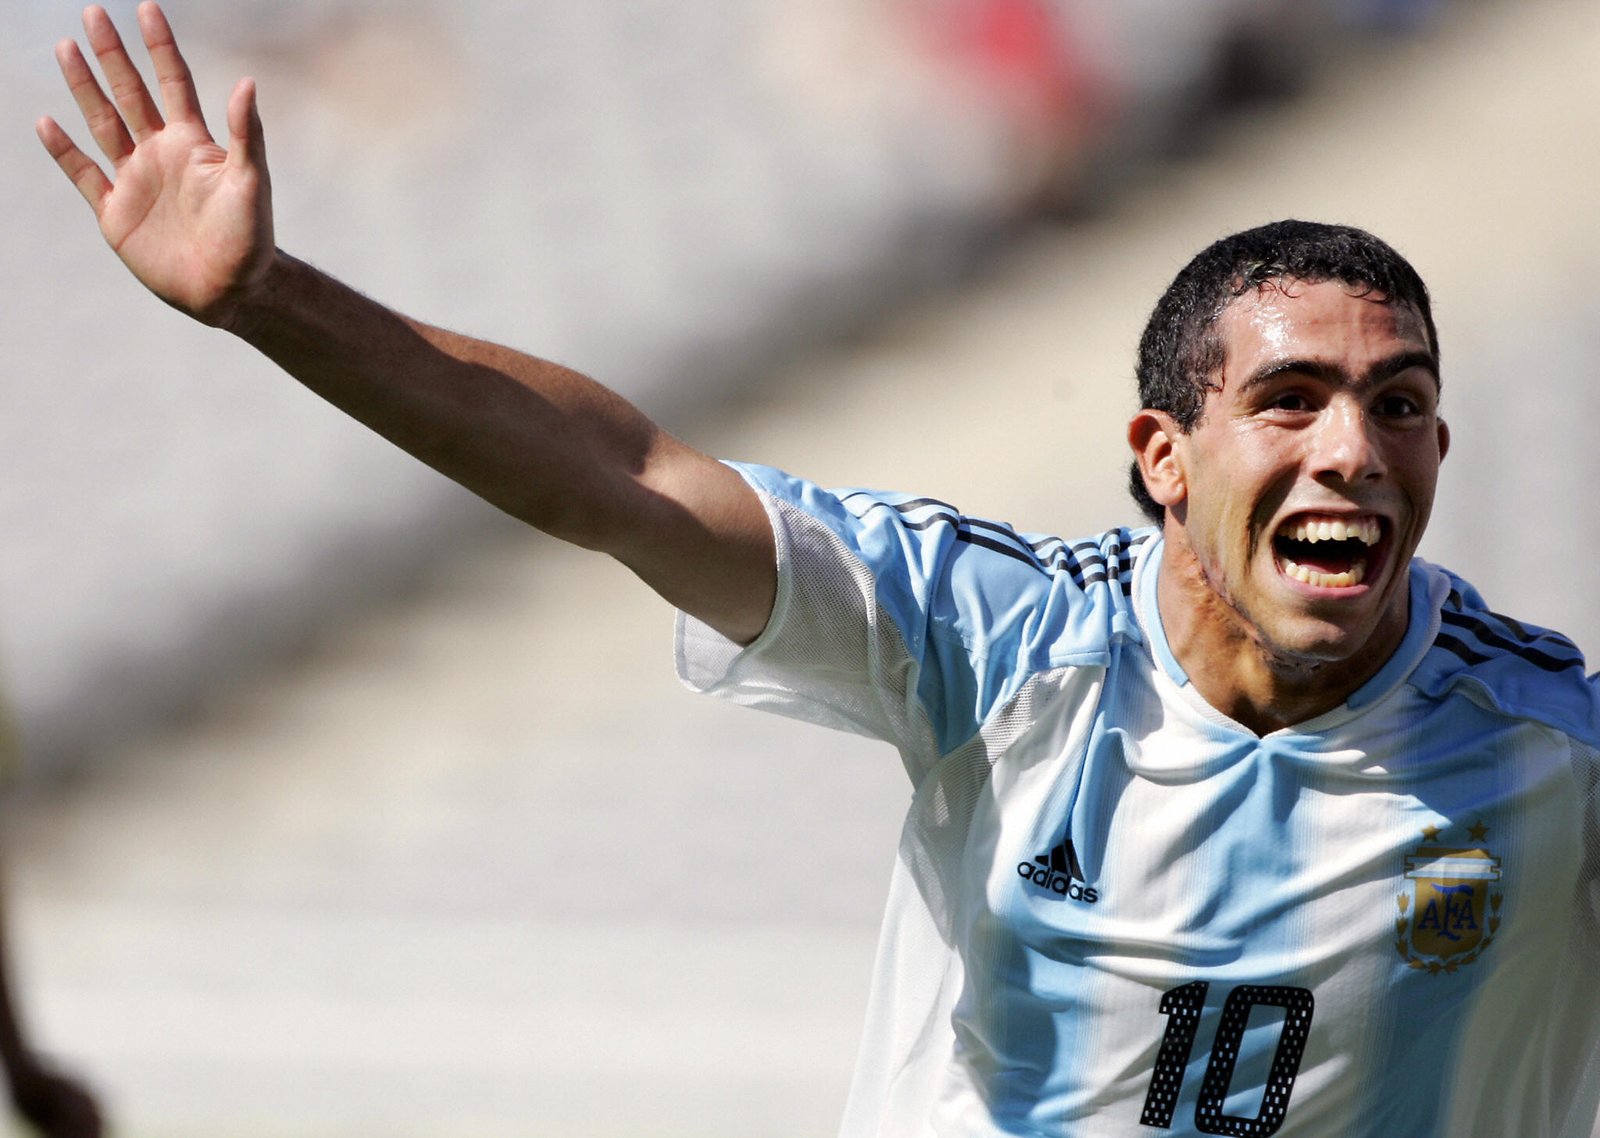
<point x="1332" y="373"/>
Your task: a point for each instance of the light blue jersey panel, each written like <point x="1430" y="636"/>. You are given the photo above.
<point x="1356" y="926"/>
<point x="978" y="607"/>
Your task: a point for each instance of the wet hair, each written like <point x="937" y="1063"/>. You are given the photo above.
<point x="1181" y="353"/>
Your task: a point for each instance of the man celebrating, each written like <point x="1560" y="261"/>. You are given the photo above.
<point x="1244" y="824"/>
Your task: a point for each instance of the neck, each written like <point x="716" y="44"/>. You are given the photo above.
<point x="1234" y="667"/>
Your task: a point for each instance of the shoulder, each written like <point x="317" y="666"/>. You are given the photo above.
<point x="965" y="574"/>
<point x="1068" y="599"/>
<point x="1510" y="666"/>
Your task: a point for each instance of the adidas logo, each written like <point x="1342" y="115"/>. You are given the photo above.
<point x="1059" y="872"/>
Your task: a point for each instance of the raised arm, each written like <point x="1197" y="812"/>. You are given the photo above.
<point x="192" y="220"/>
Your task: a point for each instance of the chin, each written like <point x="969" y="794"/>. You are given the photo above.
<point x="1318" y="644"/>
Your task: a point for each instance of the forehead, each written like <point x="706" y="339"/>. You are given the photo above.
<point x="1330" y="322"/>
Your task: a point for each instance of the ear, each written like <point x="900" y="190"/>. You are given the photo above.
<point x="1151" y="435"/>
<point x="1444" y="439"/>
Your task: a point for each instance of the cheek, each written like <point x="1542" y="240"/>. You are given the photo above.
<point x="1421" y="483"/>
<point x="1236" y="482"/>
<point x="1257" y="492"/>
<point x="1415" y="466"/>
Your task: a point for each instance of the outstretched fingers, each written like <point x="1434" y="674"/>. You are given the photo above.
<point x="82" y="170"/>
<point x="118" y="122"/>
<point x="178" y="95"/>
<point x="127" y="85"/>
<point x="105" y="124"/>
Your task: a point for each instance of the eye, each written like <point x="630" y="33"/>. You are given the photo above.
<point x="1397" y="405"/>
<point x="1290" y="401"/>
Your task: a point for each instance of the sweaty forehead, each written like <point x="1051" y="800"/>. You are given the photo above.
<point x="1325" y="320"/>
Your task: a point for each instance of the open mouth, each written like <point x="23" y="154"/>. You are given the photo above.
<point x="1329" y="552"/>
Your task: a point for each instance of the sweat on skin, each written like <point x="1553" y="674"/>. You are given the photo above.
<point x="1295" y="503"/>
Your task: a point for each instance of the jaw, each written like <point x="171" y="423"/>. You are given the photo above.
<point x="1270" y="650"/>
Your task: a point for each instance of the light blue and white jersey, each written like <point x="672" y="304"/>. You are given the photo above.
<point x="1117" y="912"/>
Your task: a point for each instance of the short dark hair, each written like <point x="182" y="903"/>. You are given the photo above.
<point x="1180" y="354"/>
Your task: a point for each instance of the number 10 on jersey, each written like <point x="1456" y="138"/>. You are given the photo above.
<point x="1182" y="1007"/>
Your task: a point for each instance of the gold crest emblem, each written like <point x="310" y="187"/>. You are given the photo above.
<point x="1452" y="910"/>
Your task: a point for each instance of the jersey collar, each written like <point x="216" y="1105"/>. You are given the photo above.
<point x="1421" y="628"/>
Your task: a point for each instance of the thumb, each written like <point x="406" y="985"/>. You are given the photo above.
<point x="247" y="141"/>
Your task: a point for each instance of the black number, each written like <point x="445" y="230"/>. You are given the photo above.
<point x="1182" y="1008"/>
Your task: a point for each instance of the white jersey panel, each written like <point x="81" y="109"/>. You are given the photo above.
<point x="1116" y="912"/>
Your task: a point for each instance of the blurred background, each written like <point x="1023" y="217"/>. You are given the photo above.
<point x="351" y="808"/>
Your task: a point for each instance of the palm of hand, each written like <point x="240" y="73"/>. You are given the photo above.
<point x="182" y="219"/>
<point x="192" y="220"/>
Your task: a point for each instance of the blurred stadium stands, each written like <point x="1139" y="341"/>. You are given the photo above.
<point x="669" y="194"/>
<point x="429" y="879"/>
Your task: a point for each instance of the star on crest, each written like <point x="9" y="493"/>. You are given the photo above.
<point x="1478" y="831"/>
<point x="1430" y="833"/>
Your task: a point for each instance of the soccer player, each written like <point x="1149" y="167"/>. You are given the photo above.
<point x="1243" y="823"/>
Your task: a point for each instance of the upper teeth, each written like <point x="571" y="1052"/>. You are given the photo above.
<point x="1365" y="530"/>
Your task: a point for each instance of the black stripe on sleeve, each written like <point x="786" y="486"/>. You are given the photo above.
<point x="1533" y="635"/>
<point x="1451" y="644"/>
<point x="1485" y="634"/>
<point x="1083" y="561"/>
<point x="912" y="505"/>
<point x="1010" y="551"/>
<point x="945" y="514"/>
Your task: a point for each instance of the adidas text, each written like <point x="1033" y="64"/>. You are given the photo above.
<point x="1060" y="883"/>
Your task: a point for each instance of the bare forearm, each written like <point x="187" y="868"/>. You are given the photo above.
<point x="534" y="438"/>
<point x="538" y="440"/>
<point x="192" y="220"/>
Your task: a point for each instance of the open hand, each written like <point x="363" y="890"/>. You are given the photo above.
<point x="193" y="221"/>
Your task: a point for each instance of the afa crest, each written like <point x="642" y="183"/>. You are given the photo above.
<point x="1450" y="911"/>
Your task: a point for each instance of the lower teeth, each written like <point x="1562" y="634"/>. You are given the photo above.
<point x="1351" y="576"/>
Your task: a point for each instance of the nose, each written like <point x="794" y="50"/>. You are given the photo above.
<point x="1344" y="448"/>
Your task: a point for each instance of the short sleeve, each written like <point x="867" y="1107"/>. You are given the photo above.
<point x="899" y="618"/>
